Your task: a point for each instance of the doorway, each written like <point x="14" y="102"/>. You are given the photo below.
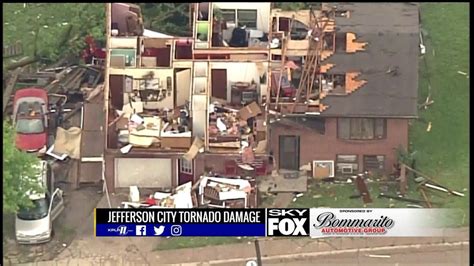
<point x="219" y="83"/>
<point x="185" y="171"/>
<point x="289" y="152"/>
<point x="183" y="86"/>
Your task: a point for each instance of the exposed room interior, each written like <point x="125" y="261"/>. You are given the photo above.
<point x="156" y="52"/>
<point x="238" y="83"/>
<point x="149" y="108"/>
<point x="236" y="119"/>
<point x="126" y="20"/>
<point x="232" y="25"/>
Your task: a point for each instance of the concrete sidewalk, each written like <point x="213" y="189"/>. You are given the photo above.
<point x="237" y="254"/>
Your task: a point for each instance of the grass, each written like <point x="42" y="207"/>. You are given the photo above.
<point x="443" y="152"/>
<point x="193" y="242"/>
<point x="338" y="195"/>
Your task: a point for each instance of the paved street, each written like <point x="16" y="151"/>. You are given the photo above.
<point x="437" y="255"/>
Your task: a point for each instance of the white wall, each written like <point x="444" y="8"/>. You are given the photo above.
<point x="123" y="42"/>
<point x="162" y="74"/>
<point x="263" y="11"/>
<point x="244" y="71"/>
<point x="142" y="172"/>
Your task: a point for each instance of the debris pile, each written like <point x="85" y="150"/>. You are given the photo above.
<point x="180" y="198"/>
<point x="222" y="192"/>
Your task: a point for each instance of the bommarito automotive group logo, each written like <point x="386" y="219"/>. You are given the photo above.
<point x="328" y="223"/>
<point x="377" y="222"/>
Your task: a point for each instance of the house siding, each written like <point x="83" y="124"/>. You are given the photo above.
<point x="315" y="146"/>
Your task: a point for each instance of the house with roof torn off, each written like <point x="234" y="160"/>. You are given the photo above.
<point x="256" y="91"/>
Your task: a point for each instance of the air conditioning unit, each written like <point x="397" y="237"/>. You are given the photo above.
<point x="347" y="169"/>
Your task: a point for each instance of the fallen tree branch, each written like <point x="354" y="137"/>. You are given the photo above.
<point x="26" y="61"/>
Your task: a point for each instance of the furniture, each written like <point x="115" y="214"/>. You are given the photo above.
<point x="243" y="93"/>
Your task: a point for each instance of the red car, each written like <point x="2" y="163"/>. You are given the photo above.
<point x="30" y="115"/>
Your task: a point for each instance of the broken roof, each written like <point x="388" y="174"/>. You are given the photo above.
<point x="392" y="33"/>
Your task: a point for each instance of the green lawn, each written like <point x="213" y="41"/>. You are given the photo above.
<point x="192" y="242"/>
<point x="443" y="152"/>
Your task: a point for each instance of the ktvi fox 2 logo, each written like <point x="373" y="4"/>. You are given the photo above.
<point x="287" y="222"/>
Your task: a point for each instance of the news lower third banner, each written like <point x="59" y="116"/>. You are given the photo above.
<point x="314" y="222"/>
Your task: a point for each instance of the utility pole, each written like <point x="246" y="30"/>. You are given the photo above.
<point x="257" y="251"/>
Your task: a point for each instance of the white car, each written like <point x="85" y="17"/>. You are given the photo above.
<point x="35" y="225"/>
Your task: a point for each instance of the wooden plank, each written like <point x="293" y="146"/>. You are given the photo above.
<point x="425" y="197"/>
<point x="9" y="89"/>
<point x="403" y="180"/>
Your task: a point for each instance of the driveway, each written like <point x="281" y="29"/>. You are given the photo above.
<point x="79" y="205"/>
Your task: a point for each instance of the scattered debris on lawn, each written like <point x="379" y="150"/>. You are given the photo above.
<point x="379" y="256"/>
<point x="430" y="183"/>
<point x="362" y="187"/>
<point x="414" y="206"/>
<point x="425" y="197"/>
<point x="444" y="189"/>
<point x="400" y="198"/>
<point x="428" y="129"/>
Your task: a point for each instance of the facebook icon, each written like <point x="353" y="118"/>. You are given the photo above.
<point x="140" y="230"/>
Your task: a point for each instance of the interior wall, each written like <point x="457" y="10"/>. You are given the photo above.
<point x="123" y="42"/>
<point x="239" y="71"/>
<point x="183" y="86"/>
<point x="263" y="11"/>
<point x="162" y="74"/>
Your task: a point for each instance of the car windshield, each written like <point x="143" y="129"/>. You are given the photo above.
<point x="29" y="126"/>
<point x="39" y="210"/>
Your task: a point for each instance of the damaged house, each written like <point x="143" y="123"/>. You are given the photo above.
<point x="181" y="107"/>
<point x="346" y="109"/>
<point x="257" y="88"/>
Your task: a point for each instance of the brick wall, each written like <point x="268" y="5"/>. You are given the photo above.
<point x="314" y="146"/>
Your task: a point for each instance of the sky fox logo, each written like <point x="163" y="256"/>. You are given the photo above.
<point x="288" y="222"/>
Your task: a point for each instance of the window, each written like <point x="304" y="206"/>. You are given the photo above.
<point x="247" y="18"/>
<point x="361" y="128"/>
<point x="346" y="165"/>
<point x="374" y="163"/>
<point x="29" y="126"/>
<point x="185" y="166"/>
<point x="228" y="15"/>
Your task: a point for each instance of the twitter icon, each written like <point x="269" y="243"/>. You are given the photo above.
<point x="159" y="230"/>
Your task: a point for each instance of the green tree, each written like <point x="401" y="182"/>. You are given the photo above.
<point x="169" y="18"/>
<point x="18" y="168"/>
<point x="53" y="30"/>
<point x="294" y="6"/>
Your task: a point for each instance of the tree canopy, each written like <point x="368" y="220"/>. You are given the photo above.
<point x="169" y="18"/>
<point x="52" y="31"/>
<point x="18" y="170"/>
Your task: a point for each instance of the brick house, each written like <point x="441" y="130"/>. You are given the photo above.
<point x="331" y="85"/>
